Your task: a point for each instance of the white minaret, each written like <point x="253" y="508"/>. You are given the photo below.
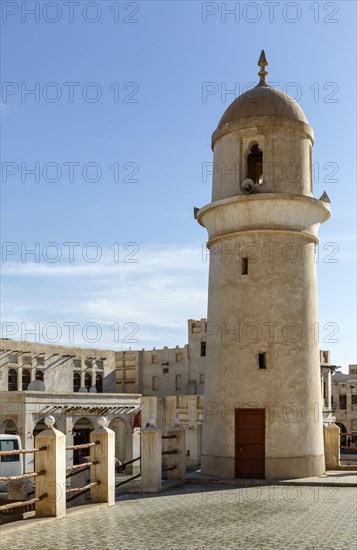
<point x="263" y="415"/>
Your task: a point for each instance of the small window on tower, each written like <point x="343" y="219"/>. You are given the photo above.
<point x="255" y="164"/>
<point x="244" y="266"/>
<point x="262" y="361"/>
<point x="203" y="349"/>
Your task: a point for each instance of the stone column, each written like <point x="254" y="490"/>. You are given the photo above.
<point x="151" y="460"/>
<point x="328" y="382"/>
<point x="33" y="369"/>
<point x="53" y="461"/>
<point x="332" y="446"/>
<point x="19" y="378"/>
<point x="104" y="472"/>
<point x="94" y="373"/>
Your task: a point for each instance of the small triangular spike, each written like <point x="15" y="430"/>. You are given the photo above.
<point x="262" y="59"/>
<point x="324" y="197"/>
<point x="195" y="210"/>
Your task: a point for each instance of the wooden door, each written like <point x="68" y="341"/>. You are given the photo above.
<point x="250" y="443"/>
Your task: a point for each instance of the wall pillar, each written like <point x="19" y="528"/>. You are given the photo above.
<point x="104" y="472"/>
<point x="136" y="439"/>
<point x="151" y="459"/>
<point x="53" y="461"/>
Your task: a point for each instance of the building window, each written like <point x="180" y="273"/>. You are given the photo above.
<point x="255" y="164"/>
<point x="165" y="370"/>
<point x="202" y="378"/>
<point x="88" y="380"/>
<point x="40" y="361"/>
<point x="154" y="358"/>
<point x="203" y="349"/>
<point x="354" y="399"/>
<point x="12" y="380"/>
<point x="39" y="375"/>
<point x="76" y="381"/>
<point x="13" y="359"/>
<point x="27" y="360"/>
<point x="77" y="363"/>
<point x="178" y="357"/>
<point x="154" y="383"/>
<point x="178" y="382"/>
<point x="244" y="266"/>
<point x="262" y="361"/>
<point x="99" y="383"/>
<point x="26" y="379"/>
<point x="343" y="402"/>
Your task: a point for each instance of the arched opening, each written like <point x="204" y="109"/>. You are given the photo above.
<point x="12" y="380"/>
<point x="40" y="426"/>
<point x="26" y="379"/>
<point x="255" y="163"/>
<point x="88" y="380"/>
<point x="8" y="427"/>
<point x="39" y="375"/>
<point x="76" y="381"/>
<point x="343" y="430"/>
<point x="99" y="383"/>
<point x="81" y="436"/>
<point x="123" y="440"/>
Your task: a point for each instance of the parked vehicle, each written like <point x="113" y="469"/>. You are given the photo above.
<point x="11" y="465"/>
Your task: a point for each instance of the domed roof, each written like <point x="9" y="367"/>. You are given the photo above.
<point x="263" y="100"/>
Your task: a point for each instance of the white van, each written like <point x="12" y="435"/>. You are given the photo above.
<point x="11" y="465"/>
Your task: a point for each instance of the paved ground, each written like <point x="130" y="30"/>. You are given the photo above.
<point x="195" y="517"/>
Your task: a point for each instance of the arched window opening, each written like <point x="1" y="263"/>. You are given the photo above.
<point x="99" y="383"/>
<point x="88" y="380"/>
<point x="12" y="380"/>
<point x="76" y="381"/>
<point x="39" y="375"/>
<point x="255" y="164"/>
<point x="26" y="379"/>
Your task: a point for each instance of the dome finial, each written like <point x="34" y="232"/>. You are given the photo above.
<point x="262" y="64"/>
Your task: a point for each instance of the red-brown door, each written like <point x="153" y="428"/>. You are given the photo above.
<point x="250" y="443"/>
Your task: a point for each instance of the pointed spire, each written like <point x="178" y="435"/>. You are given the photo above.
<point x="262" y="64"/>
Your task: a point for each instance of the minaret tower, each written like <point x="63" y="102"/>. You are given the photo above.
<point x="263" y="415"/>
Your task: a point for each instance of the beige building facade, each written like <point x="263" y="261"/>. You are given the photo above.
<point x="166" y="371"/>
<point x="344" y="403"/>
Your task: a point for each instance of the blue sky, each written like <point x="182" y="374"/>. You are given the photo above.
<point x="118" y="130"/>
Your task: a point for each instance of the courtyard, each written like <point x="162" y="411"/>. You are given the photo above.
<point x="215" y="516"/>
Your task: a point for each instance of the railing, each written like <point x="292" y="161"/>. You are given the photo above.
<point x="79" y="469"/>
<point x="50" y="451"/>
<point x="20" y="504"/>
<point x="164" y="468"/>
<point x="122" y="468"/>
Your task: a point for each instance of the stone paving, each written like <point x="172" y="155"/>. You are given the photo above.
<point x="199" y="517"/>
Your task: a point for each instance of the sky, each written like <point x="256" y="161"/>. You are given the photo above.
<point x="107" y="111"/>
